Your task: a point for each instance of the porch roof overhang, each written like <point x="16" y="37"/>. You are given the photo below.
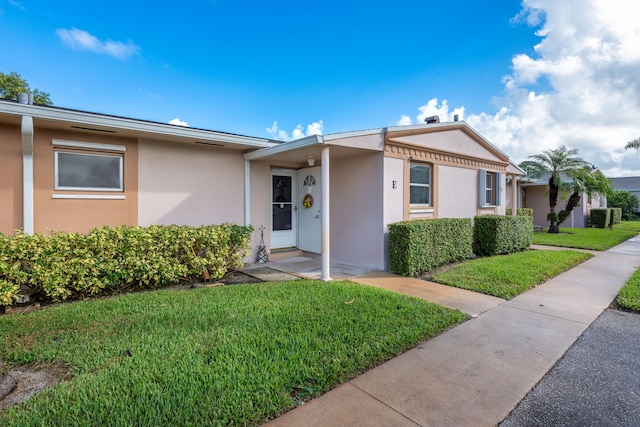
<point x="342" y="144"/>
<point x="51" y="117"/>
<point x="514" y="169"/>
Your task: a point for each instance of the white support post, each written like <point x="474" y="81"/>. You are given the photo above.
<point x="27" y="175"/>
<point x="247" y="192"/>
<point x="326" y="257"/>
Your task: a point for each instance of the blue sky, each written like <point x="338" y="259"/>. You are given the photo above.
<point x="284" y="69"/>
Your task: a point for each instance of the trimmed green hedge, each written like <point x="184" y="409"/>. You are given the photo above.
<point x="422" y="245"/>
<point x="498" y="234"/>
<point x="616" y="216"/>
<point x="61" y="265"/>
<point x="600" y="217"/>
<point x="521" y="212"/>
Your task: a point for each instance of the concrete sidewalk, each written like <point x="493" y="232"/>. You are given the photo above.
<point x="476" y="373"/>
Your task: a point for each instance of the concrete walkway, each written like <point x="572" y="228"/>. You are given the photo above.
<point x="476" y="373"/>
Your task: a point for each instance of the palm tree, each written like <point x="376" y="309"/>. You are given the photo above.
<point x="634" y="143"/>
<point x="560" y="164"/>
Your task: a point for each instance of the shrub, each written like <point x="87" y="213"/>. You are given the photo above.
<point x="521" y="212"/>
<point x="497" y="234"/>
<point x="600" y="217"/>
<point x="422" y="245"/>
<point x="616" y="216"/>
<point x="60" y="265"/>
<point x="628" y="202"/>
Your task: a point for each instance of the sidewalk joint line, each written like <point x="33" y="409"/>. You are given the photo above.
<point x="380" y="401"/>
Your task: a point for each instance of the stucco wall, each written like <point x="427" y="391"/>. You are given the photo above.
<point x="393" y="197"/>
<point x="260" y="205"/>
<point x="189" y="184"/>
<point x="357" y="228"/>
<point x="10" y="179"/>
<point x="80" y="215"/>
<point x="458" y="192"/>
<point x="537" y="199"/>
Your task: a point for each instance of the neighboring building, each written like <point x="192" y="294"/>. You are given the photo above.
<point x="628" y="183"/>
<point x="71" y="170"/>
<point x="535" y="195"/>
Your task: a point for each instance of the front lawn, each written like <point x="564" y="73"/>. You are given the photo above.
<point x="507" y="276"/>
<point x="629" y="296"/>
<point x="234" y="355"/>
<point x="598" y="239"/>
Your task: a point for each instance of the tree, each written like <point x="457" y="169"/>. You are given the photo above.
<point x="634" y="143"/>
<point x="568" y="174"/>
<point x="629" y="203"/>
<point x="12" y="84"/>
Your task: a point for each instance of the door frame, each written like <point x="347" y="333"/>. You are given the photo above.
<point x="288" y="238"/>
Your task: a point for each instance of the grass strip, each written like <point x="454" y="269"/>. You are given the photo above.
<point x="597" y="239"/>
<point x="236" y="355"/>
<point x="507" y="276"/>
<point x="629" y="296"/>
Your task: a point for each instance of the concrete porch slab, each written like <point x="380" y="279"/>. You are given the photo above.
<point x="268" y="274"/>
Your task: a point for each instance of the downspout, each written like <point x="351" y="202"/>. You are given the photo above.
<point x="514" y="195"/>
<point x="247" y="192"/>
<point x="27" y="174"/>
<point x="326" y="276"/>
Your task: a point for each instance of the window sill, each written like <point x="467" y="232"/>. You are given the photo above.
<point x="414" y="210"/>
<point x="89" y="196"/>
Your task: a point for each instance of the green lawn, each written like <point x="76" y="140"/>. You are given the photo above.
<point x="598" y="239"/>
<point x="507" y="276"/>
<point x="234" y="355"/>
<point x="629" y="296"/>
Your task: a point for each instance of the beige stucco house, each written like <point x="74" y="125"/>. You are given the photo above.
<point x="335" y="194"/>
<point x="535" y="195"/>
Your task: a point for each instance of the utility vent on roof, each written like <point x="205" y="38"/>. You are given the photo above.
<point x="432" y="119"/>
<point x="25" y="98"/>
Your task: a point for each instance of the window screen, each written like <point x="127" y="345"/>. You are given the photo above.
<point x="79" y="171"/>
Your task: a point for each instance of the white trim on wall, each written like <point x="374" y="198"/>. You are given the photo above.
<point x="88" y="196"/>
<point x="88" y="145"/>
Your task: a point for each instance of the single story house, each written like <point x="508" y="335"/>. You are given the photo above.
<point x="70" y="170"/>
<point x="627" y="183"/>
<point x="535" y="195"/>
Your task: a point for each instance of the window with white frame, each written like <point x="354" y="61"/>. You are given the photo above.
<point x="88" y="171"/>
<point x="489" y="188"/>
<point x="420" y="184"/>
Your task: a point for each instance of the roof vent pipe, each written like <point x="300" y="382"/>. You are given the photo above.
<point x="25" y="98"/>
<point x="455" y="117"/>
<point x="432" y="119"/>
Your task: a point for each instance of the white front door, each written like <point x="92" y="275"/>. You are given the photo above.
<point x="283" y="209"/>
<point x="309" y="209"/>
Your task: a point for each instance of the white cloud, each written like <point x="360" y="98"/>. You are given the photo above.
<point x="431" y="108"/>
<point x="18" y="5"/>
<point x="315" y="128"/>
<point x="579" y="88"/>
<point x="178" y="122"/>
<point x="82" y="40"/>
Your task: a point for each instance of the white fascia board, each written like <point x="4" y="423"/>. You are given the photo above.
<point x="518" y="169"/>
<point x="308" y="141"/>
<point x="93" y="119"/>
<point x="350" y="134"/>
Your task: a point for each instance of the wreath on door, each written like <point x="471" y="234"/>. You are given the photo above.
<point x="307" y="201"/>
